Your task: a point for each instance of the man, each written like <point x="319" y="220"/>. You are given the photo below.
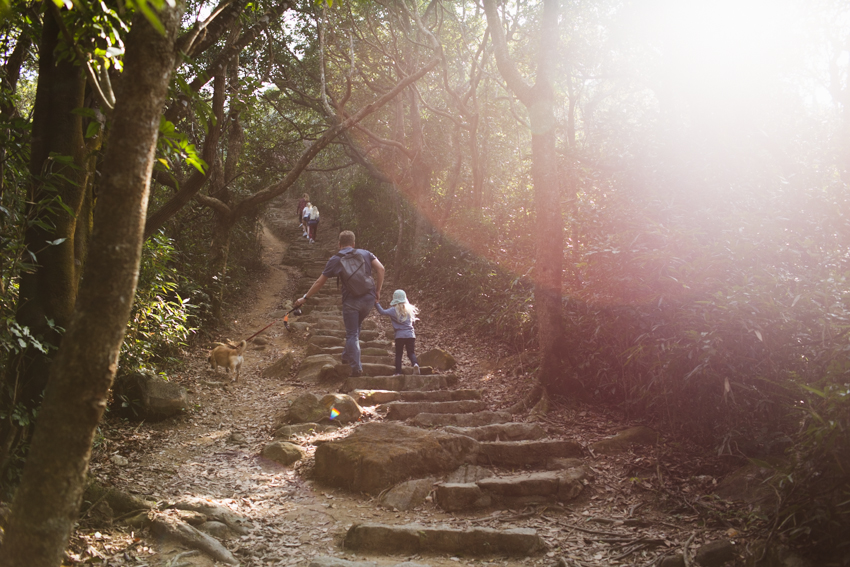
<point x="355" y="307"/>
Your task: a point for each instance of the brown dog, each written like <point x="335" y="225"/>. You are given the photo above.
<point x="229" y="356"/>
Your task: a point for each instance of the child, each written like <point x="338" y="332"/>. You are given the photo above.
<point x="313" y="224"/>
<point x="305" y="198"/>
<point x="402" y="317"/>
<point x="305" y="218"/>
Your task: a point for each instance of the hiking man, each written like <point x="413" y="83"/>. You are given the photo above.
<point x="360" y="291"/>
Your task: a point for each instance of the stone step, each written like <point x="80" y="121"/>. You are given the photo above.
<point x="400" y="411"/>
<point x="405" y="382"/>
<point x="525" y="453"/>
<point x="379" y="455"/>
<point x="500" y="431"/>
<point x="334" y="350"/>
<point x="324" y="299"/>
<point x="384" y="360"/>
<point x="370" y="369"/>
<point x="461" y="420"/>
<point x="511" y="491"/>
<point x="411" y="539"/>
<point x="365" y="334"/>
<point x="375" y="397"/>
<point x="325" y="310"/>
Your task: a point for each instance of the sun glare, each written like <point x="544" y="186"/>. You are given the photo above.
<point x="719" y="51"/>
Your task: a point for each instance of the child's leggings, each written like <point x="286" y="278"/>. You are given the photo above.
<point x="400" y="345"/>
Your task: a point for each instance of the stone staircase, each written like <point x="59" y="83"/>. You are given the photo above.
<point x="470" y="457"/>
<point x="427" y="442"/>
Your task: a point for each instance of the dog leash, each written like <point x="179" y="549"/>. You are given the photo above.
<point x="285" y="323"/>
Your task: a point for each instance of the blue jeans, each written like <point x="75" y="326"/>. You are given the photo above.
<point x="354" y="310"/>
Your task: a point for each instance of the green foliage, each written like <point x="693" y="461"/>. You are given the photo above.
<point x="816" y="489"/>
<point x="174" y="146"/>
<point x="160" y="323"/>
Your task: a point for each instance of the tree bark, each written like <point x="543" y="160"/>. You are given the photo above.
<point x="539" y="99"/>
<point x="47" y="294"/>
<point x="47" y="501"/>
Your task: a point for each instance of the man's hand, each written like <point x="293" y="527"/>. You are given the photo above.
<point x="300" y="301"/>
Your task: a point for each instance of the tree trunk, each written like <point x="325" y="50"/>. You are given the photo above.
<point x="540" y="102"/>
<point x="47" y="501"/>
<point x="420" y="176"/>
<point x="47" y="294"/>
<point x="548" y="260"/>
<point x="219" y="250"/>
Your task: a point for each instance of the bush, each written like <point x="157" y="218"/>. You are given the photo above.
<point x="160" y="322"/>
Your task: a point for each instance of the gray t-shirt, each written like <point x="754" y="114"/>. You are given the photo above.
<point x="333" y="268"/>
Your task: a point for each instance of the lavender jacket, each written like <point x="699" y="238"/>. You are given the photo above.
<point x="403" y="329"/>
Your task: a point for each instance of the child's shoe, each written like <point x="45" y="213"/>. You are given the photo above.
<point x="416" y="369"/>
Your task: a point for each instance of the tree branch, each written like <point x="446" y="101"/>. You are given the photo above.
<point x="506" y="65"/>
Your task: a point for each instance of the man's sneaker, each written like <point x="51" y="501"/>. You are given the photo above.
<point x="416" y="369"/>
<point x="356" y="373"/>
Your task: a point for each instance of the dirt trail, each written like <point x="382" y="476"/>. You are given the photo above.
<point x="213" y="453"/>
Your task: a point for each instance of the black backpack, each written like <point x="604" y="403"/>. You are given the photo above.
<point x="354" y="273"/>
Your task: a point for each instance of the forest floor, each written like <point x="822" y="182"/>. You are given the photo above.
<point x="637" y="507"/>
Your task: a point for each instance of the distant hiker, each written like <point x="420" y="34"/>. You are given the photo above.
<point x="403" y="315"/>
<point x="305" y="216"/>
<point x="313" y="224"/>
<point x="302" y="202"/>
<point x="354" y="267"/>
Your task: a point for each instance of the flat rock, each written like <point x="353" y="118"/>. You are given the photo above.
<point x="379" y="455"/>
<point x="715" y="554"/>
<point x="373" y="369"/>
<point x="469" y="474"/>
<point x="145" y="396"/>
<point x="407" y="495"/>
<point x="622" y="441"/>
<point x="509" y="491"/>
<point x="281" y="367"/>
<point x="461" y="420"/>
<point x="283" y="453"/>
<point x="302" y="429"/>
<point x="375" y="397"/>
<point x="343" y="405"/>
<point x="500" y="432"/>
<point x="325" y="341"/>
<point x="561" y="485"/>
<point x="305" y="409"/>
<point x="365" y="335"/>
<point x="438" y="358"/>
<point x="312" y="368"/>
<point x="454" y="497"/>
<point x="400" y="411"/>
<point x="405" y="382"/>
<point x="525" y="453"/>
<point x="417" y="538"/>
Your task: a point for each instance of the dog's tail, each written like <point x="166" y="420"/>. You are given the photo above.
<point x="240" y="346"/>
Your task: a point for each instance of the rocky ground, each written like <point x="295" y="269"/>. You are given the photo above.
<point x="641" y="503"/>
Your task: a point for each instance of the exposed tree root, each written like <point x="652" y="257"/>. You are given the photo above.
<point x="534" y="398"/>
